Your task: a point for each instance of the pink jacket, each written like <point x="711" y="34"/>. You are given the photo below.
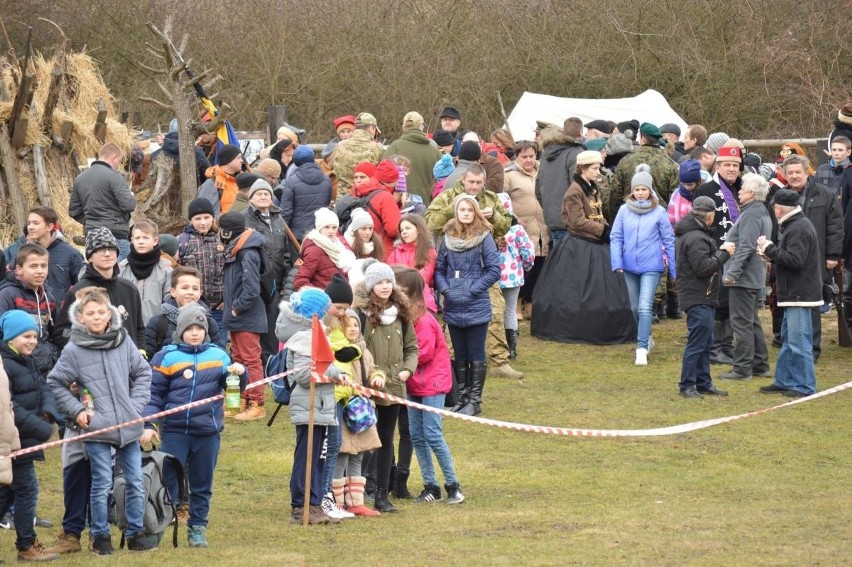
<point x="404" y="254"/>
<point x="434" y="374"/>
<point x="678" y="207"/>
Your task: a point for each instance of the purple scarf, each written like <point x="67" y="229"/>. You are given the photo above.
<point x="727" y="194"/>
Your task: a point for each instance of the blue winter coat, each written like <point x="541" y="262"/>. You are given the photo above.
<point x="463" y="279"/>
<point x="243" y="265"/>
<point x="307" y="190"/>
<point x="637" y="242"/>
<point x="182" y="374"/>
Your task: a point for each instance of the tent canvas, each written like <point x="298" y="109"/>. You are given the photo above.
<point x="650" y="106"/>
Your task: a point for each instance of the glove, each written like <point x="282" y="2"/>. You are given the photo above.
<point x="347" y="354"/>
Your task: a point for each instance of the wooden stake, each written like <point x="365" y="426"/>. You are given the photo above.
<point x="312" y="394"/>
<point x="53" y="90"/>
<point x="10" y="167"/>
<point x="41" y="176"/>
<point x="100" y="123"/>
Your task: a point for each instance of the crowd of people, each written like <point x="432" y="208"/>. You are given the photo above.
<point x="420" y="258"/>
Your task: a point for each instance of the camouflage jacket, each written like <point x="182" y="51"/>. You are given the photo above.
<point x="349" y="153"/>
<point x="440" y="210"/>
<point x="663" y="170"/>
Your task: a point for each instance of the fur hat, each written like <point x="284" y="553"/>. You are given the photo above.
<point x="470" y="151"/>
<point x="786" y="198"/>
<point x="443" y="167"/>
<point x="443" y="138"/>
<point x="268" y="167"/>
<point x="341" y="121"/>
<point x="412" y="120"/>
<point x="310" y="301"/>
<point x="589" y="157"/>
<point x="375" y="272"/>
<point x="231" y="226"/>
<point x="359" y="219"/>
<point x="99" y="238"/>
<point x="15" y="323"/>
<point x="260" y="185"/>
<point x="365" y="167"/>
<point x="386" y="172"/>
<point x="601" y="125"/>
<point x="595" y="144"/>
<point x="670" y="128"/>
<point x="227" y="154"/>
<point x="715" y="141"/>
<point x="245" y="180"/>
<point x="338" y="290"/>
<point x="573" y="128"/>
<point x="325" y="217"/>
<point x="690" y="171"/>
<point x="651" y="130"/>
<point x="642" y="177"/>
<point x="303" y="155"/>
<point x="844" y="115"/>
<point x="200" y="206"/>
<point x="729" y="153"/>
<point x="703" y="204"/>
<point x="629" y="128"/>
<point x="450" y="112"/>
<point x="188" y="315"/>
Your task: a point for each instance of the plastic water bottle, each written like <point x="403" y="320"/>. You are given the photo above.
<point x="232" y="394"/>
<point x="88" y="402"/>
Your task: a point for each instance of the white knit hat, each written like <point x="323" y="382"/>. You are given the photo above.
<point x="359" y="219"/>
<point x="325" y="217"/>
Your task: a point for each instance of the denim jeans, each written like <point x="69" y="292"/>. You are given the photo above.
<point x="795" y="367"/>
<point x="217" y="315"/>
<point x="641" y="289"/>
<point x="123" y="249"/>
<point x="298" y="491"/>
<point x="100" y="459"/>
<point x="333" y="448"/>
<point x="199" y="454"/>
<point x="23" y="493"/>
<point x="695" y="367"/>
<point x="427" y="433"/>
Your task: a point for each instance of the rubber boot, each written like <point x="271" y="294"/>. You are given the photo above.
<point x="400" y="484"/>
<point x="463" y="377"/>
<point x="512" y="340"/>
<point x="478" y="370"/>
<point x="382" y="504"/>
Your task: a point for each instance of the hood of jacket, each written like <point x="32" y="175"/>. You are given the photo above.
<point x="170" y="144"/>
<point x="369" y="187"/>
<point x="552" y="137"/>
<point x="690" y="224"/>
<point x="309" y="173"/>
<point x="249" y="239"/>
<point x="293" y="329"/>
<point x="115" y="320"/>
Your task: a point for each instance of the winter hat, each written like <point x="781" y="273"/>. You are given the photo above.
<point x="227" y="154"/>
<point x="595" y="144"/>
<point x="642" y="177"/>
<point x="443" y="138"/>
<point x="366" y="119"/>
<point x="188" y="315"/>
<point x="365" y="167"/>
<point x="268" y="167"/>
<point x="470" y="151"/>
<point x="325" y="217"/>
<point x="443" y="167"/>
<point x="704" y="204"/>
<point x="386" y="172"/>
<point x="303" y="155"/>
<point x="200" y="206"/>
<point x="359" y="219"/>
<point x="310" y="301"/>
<point x="15" y="323"/>
<point x="786" y="198"/>
<point x="450" y="112"/>
<point x="670" y="128"/>
<point x="99" y="238"/>
<point x="619" y="144"/>
<point x="231" y="226"/>
<point x="734" y="143"/>
<point x="573" y="128"/>
<point x="690" y="171"/>
<point x="464" y="197"/>
<point x="376" y="272"/>
<point x="260" y="185"/>
<point x="844" y="115"/>
<point x="729" y="153"/>
<point x="287" y="133"/>
<point x="245" y="180"/>
<point x="650" y="130"/>
<point x="338" y="290"/>
<point x="343" y="121"/>
<point x="715" y="141"/>
<point x="601" y="125"/>
<point x="402" y="183"/>
<point x="412" y="120"/>
<point x="589" y="157"/>
<point x="629" y="128"/>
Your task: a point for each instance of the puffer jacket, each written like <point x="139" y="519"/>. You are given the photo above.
<point x="434" y="373"/>
<point x="463" y="279"/>
<point x="404" y="254"/>
<point x="9" y="439"/>
<point x="119" y="380"/>
<point x="15" y="294"/>
<point x="699" y="263"/>
<point x="276" y="245"/>
<point x="31" y="399"/>
<point x="641" y="243"/>
<point x="182" y="374"/>
<point x="295" y="332"/>
<point x="242" y="275"/>
<point x="384" y="211"/>
<point x="307" y="190"/>
<point x="317" y="269"/>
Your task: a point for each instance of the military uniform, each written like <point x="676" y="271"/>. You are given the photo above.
<point x="440" y="210"/>
<point x="349" y="153"/>
<point x="664" y="172"/>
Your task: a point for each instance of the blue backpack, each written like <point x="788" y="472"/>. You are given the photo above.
<point x="281" y="387"/>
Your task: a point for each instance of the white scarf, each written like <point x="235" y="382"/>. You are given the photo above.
<point x="333" y="248"/>
<point x="389" y="315"/>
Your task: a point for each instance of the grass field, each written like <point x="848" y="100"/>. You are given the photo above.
<point x="767" y="490"/>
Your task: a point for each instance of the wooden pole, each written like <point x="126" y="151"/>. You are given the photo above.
<point x="312" y="394"/>
<point x="54" y="88"/>
<point x="41" y="176"/>
<point x="100" y="123"/>
<point x="277" y="117"/>
<point x="10" y="167"/>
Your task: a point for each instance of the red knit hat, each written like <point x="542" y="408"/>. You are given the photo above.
<point x="729" y="153"/>
<point x="386" y="172"/>
<point x="366" y="168"/>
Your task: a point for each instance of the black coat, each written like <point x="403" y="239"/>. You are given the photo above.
<point x="798" y="266"/>
<point x="556" y="169"/>
<point x="276" y="247"/>
<point x="31" y="399"/>
<point x="722" y="222"/>
<point x="699" y="263"/>
<point x="822" y="208"/>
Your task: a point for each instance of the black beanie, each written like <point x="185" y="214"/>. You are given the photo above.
<point x="470" y="151"/>
<point x="443" y="138"/>
<point x="200" y="206"/>
<point x="231" y="226"/>
<point x="632" y="125"/>
<point x="339" y="290"/>
<point x="245" y="180"/>
<point x="227" y="154"/>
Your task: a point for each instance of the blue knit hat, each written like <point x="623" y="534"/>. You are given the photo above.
<point x="15" y="323"/>
<point x="302" y="155"/>
<point x="690" y="171"/>
<point x="443" y="167"/>
<point x="310" y="301"/>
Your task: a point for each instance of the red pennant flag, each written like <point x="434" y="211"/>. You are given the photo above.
<point x="321" y="353"/>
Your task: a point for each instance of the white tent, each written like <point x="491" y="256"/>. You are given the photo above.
<point x="649" y="106"/>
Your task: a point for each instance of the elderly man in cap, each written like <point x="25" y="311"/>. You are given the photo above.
<point x="560" y="149"/>
<point x="598" y="129"/>
<point x="798" y="272"/>
<point x="420" y="151"/>
<point x="361" y="146"/>
<point x="221" y="185"/>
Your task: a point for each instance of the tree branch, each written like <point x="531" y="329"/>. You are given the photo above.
<point x="156" y="102"/>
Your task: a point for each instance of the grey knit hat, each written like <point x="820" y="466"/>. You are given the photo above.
<point x="98" y="239"/>
<point x="260" y="185"/>
<point x="642" y="177"/>
<point x="715" y="141"/>
<point x="704" y="204"/>
<point x="190" y="314"/>
<point x="376" y="272"/>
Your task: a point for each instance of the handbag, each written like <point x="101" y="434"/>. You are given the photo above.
<point x="359" y="414"/>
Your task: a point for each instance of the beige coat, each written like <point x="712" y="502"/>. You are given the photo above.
<point x="354" y="443"/>
<point x="520" y="186"/>
<point x="9" y="440"/>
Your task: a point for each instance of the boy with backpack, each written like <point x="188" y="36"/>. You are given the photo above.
<point x="145" y="267"/>
<point x="98" y="342"/>
<point x="191" y="368"/>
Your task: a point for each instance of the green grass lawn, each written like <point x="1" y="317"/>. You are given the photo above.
<point x="769" y="490"/>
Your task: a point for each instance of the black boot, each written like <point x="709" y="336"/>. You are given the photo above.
<point x="512" y="340"/>
<point x="777" y="319"/>
<point x="382" y="504"/>
<point x="659" y="311"/>
<point x="400" y="484"/>
<point x="478" y="370"/>
<point x="673" y="306"/>
<point x="463" y="378"/>
<point x="392" y="481"/>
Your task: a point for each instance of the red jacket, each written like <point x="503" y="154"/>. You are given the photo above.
<point x="434" y="374"/>
<point x="386" y="222"/>
<point x="404" y="254"/>
<point x="317" y="269"/>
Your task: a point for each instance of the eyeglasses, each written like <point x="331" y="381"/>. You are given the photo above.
<point x="105" y="251"/>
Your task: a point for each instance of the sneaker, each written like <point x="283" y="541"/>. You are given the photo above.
<point x="732" y="375"/>
<point x="197" y="536"/>
<point x="772" y="389"/>
<point x="8" y="522"/>
<point x="691" y="393"/>
<point x="66" y="543"/>
<point x="505" y="371"/>
<point x="329" y="507"/>
<point x="36" y="552"/>
<point x="454" y="493"/>
<point x="140" y="542"/>
<point x="430" y="493"/>
<point x="42" y="523"/>
<point x="102" y="545"/>
<point x="641" y="357"/>
<point x="253" y="412"/>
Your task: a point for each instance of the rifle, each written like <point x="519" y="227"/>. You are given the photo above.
<point x="844" y="336"/>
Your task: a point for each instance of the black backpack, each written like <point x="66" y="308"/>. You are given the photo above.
<point x="281" y="387"/>
<point x="348" y="203"/>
